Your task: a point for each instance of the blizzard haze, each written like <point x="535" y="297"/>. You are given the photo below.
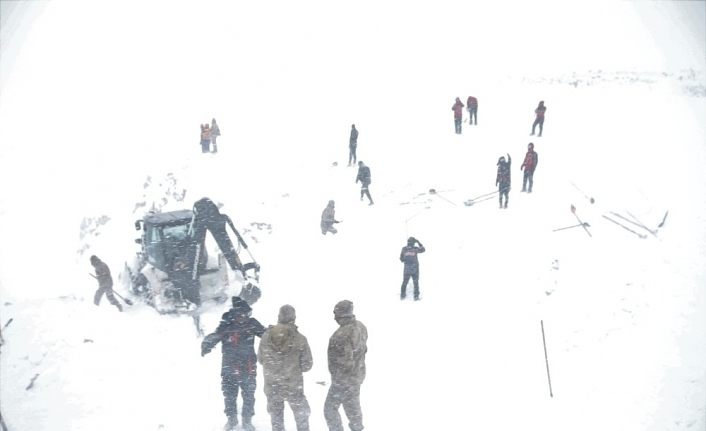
<point x="99" y="114"/>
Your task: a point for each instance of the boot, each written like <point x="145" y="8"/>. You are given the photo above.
<point x="247" y="424"/>
<point x="120" y="307"/>
<point x="231" y="424"/>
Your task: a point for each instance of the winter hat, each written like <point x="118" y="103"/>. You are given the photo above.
<point x="287" y="314"/>
<point x="240" y="306"/>
<point x="411" y="240"/>
<point x="94" y="259"/>
<point x="530" y="146"/>
<point x="343" y="309"/>
<point x="331" y="203"/>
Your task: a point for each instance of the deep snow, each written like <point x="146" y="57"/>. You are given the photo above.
<point x="625" y="318"/>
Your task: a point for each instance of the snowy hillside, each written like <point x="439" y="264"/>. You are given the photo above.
<point x="624" y="313"/>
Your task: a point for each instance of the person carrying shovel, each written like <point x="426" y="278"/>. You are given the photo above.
<point x="105" y="282"/>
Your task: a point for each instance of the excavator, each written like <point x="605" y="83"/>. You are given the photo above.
<point x="172" y="270"/>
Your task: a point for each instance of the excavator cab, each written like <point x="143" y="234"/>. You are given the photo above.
<point x="173" y="271"/>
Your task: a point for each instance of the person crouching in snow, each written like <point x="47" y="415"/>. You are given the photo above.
<point x="328" y="219"/>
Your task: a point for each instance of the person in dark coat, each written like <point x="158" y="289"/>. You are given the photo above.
<point x="408" y="256"/>
<point x="528" y="166"/>
<point x="285" y="354"/>
<point x="365" y="180"/>
<point x="539" y="118"/>
<point x="105" y="283"/>
<point x="472" y="106"/>
<point x="215" y="133"/>
<point x="236" y="333"/>
<point x="458" y="115"/>
<point x="328" y="219"/>
<point x="352" y="145"/>
<point x="346" y="363"/>
<point x="502" y="180"/>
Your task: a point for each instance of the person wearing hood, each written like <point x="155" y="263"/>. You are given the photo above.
<point x="236" y="333"/>
<point x="105" y="283"/>
<point x="346" y="363"/>
<point x="528" y="166"/>
<point x="352" y="145"/>
<point x="502" y="180"/>
<point x="328" y="219"/>
<point x="285" y="355"/>
<point x="215" y="133"/>
<point x="539" y="118"/>
<point x="458" y="115"/>
<point x="408" y="256"/>
<point x="365" y="180"/>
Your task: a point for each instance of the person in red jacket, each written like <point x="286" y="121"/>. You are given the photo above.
<point x="458" y="115"/>
<point x="529" y="165"/>
<point x="472" y="106"/>
<point x="539" y="118"/>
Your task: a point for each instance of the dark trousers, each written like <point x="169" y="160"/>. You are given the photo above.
<point x="108" y="294"/>
<point x="231" y="383"/>
<point x="457" y="125"/>
<point x="415" y="280"/>
<point x="298" y="403"/>
<point x="540" y="122"/>
<point x="504" y="191"/>
<point x="528" y="178"/>
<point x="351" y="154"/>
<point x="349" y="396"/>
<point x="473" y="116"/>
<point x="365" y="192"/>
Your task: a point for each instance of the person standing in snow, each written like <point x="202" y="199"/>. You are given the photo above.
<point x="285" y="354"/>
<point x="236" y="333"/>
<point x="539" y="118"/>
<point x="408" y="256"/>
<point x="105" y="283"/>
<point x="458" y="115"/>
<point x="352" y="145"/>
<point x="328" y="219"/>
<point x="472" y="106"/>
<point x="528" y="166"/>
<point x="365" y="180"/>
<point x="215" y="133"/>
<point x="346" y="363"/>
<point x="205" y="138"/>
<point x="502" y="180"/>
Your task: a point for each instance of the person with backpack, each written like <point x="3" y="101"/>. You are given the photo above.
<point x="215" y="133"/>
<point x="528" y="166"/>
<point x="502" y="180"/>
<point x="365" y="180"/>
<point x="105" y="283"/>
<point x="285" y="354"/>
<point x="346" y="363"/>
<point x="458" y="115"/>
<point x="352" y="145"/>
<point x="539" y="118"/>
<point x="408" y="256"/>
<point x="328" y="219"/>
<point x="472" y="106"/>
<point x="236" y="333"/>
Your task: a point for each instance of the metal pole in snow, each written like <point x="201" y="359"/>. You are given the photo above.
<point x="546" y="360"/>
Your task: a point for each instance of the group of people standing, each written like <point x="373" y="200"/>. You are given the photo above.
<point x="209" y="137"/>
<point x="284" y="355"/>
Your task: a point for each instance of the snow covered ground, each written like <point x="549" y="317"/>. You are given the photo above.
<point x="101" y="116"/>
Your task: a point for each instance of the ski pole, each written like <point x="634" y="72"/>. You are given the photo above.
<point x="127" y="301"/>
<point x="570" y="227"/>
<point x="546" y="359"/>
<point x="573" y="210"/>
<point x="482" y="196"/>
<point x="625" y="227"/>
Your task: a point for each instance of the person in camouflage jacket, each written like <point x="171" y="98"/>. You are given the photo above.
<point x="346" y="363"/>
<point x="285" y="354"/>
